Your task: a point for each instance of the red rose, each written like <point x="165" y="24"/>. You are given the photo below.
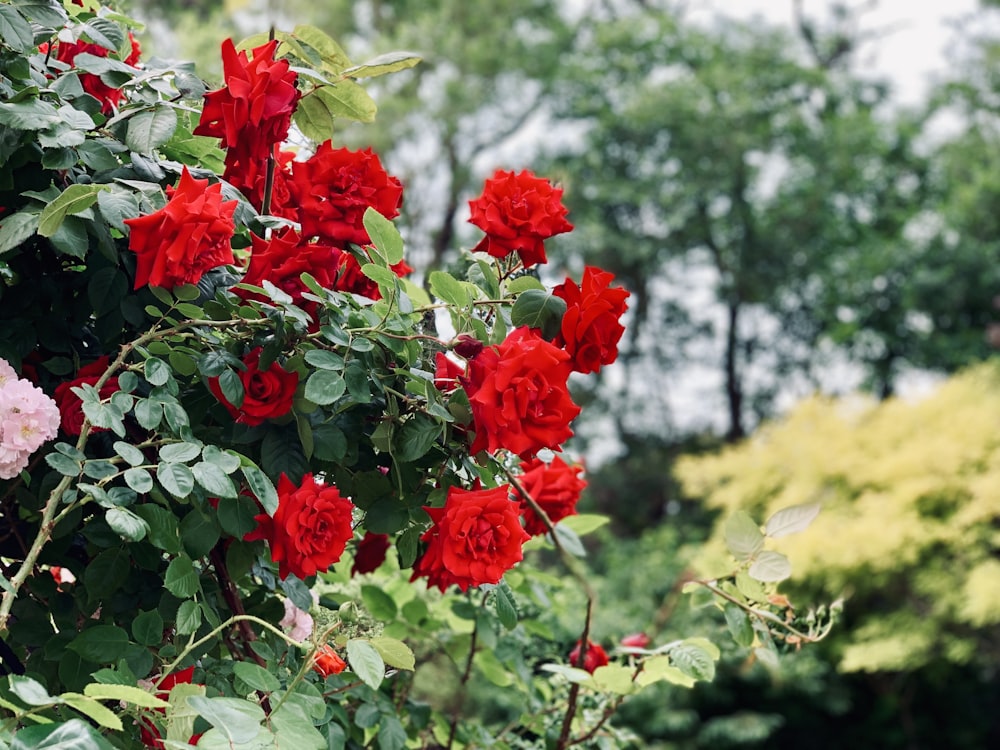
<point x="252" y="112"/>
<point x="446" y="373"/>
<point x="590" y="328"/>
<point x="370" y="553"/>
<point x="267" y="394"/>
<point x="333" y="189"/>
<point x="475" y="539"/>
<point x="518" y="395"/>
<point x="310" y="528"/>
<point x="327" y="662"/>
<point x="185" y="238"/>
<point x="283" y="259"/>
<point x="555" y="487"/>
<point x="635" y="640"/>
<point x="70" y="405"/>
<point x="109" y="97"/>
<point x="518" y="212"/>
<point x="594" y="657"/>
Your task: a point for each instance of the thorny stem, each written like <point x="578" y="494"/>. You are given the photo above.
<point x="574" y="690"/>
<point x="232" y="597"/>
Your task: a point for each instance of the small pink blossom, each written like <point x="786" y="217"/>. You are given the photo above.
<point x="28" y="418"/>
<point x="300" y="621"/>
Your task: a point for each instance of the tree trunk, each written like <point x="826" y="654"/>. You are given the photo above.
<point x="734" y="388"/>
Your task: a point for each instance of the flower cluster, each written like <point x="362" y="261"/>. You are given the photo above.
<point x="28" y="418"/>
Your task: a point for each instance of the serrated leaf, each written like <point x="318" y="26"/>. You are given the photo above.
<point x="15" y="31"/>
<point x="214" y="480"/>
<point x="540" y="309"/>
<point x="126" y="524"/>
<point x="238" y="720"/>
<point x="449" y="289"/>
<point x="101" y="644"/>
<point x="395" y="653"/>
<point x="614" y="678"/>
<point x="739" y="625"/>
<point x="384" y="235"/>
<point x="188" y="618"/>
<point x="348" y="99"/>
<point x="181" y="579"/>
<point x="74" y="734"/>
<point x="150" y="129"/>
<point x="743" y="536"/>
<point x="659" y="669"/>
<point x="16" y="229"/>
<point x="256" y="676"/>
<point x="176" y="479"/>
<point x="506" y="605"/>
<point x="94" y="710"/>
<point x="262" y="488"/>
<point x="791" y="520"/>
<point x="366" y="662"/>
<point x="30" y="691"/>
<point x="33" y="114"/>
<point x="72" y="200"/>
<point x="391" y="62"/>
<point x="523" y="284"/>
<point x="693" y="661"/>
<point x="325" y="387"/>
<point x="770" y="567"/>
<point x="313" y="117"/>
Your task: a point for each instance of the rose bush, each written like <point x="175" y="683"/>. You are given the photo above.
<point x="263" y="425"/>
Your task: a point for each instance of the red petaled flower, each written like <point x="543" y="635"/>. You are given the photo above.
<point x="370" y="553"/>
<point x="283" y="259"/>
<point x="251" y="114"/>
<point x="594" y="657"/>
<point x="333" y="189"/>
<point x="310" y="528"/>
<point x="518" y="395"/>
<point x="267" y="394"/>
<point x="446" y="373"/>
<point x="328" y="662"/>
<point x="591" y="327"/>
<point x="70" y="405"/>
<point x="518" y="212"/>
<point x="635" y="640"/>
<point x="189" y="236"/>
<point x="555" y="487"/>
<point x="475" y="539"/>
<point x="109" y="97"/>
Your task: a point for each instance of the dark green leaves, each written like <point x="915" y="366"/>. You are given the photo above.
<point x="15" y="31"/>
<point x="540" y="309"/>
<point x="150" y="129"/>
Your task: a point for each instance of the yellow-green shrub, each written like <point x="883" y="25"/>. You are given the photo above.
<point x="910" y="526"/>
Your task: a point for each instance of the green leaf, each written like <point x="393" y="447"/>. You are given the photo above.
<point x="132" y="455"/>
<point x="102" y="644"/>
<point x="188" y="618"/>
<point x="324" y="387"/>
<point x="659" y="669"/>
<point x="156" y="371"/>
<point x="348" y="99"/>
<point x="256" y="677"/>
<point x="198" y="533"/>
<point x="262" y="488"/>
<point x="162" y="524"/>
<point x="213" y="479"/>
<point x="32" y="114"/>
<point x="523" y="284"/>
<point x="96" y="711"/>
<point x="232" y="387"/>
<point x="74" y="734"/>
<point x="391" y="62"/>
<point x="150" y="129"/>
<point x="417" y="435"/>
<point x="176" y="479"/>
<point x="181" y="578"/>
<point x="236" y="516"/>
<point x="380" y="604"/>
<point x="791" y="520"/>
<point x="446" y="287"/>
<point x="30" y="691"/>
<point x="366" y="662"/>
<point x="540" y="309"/>
<point x="147" y="628"/>
<point x="238" y="720"/>
<point x="493" y="669"/>
<point x="693" y="660"/>
<point x="293" y="728"/>
<point x="743" y="535"/>
<point x="750" y="588"/>
<point x="395" y="653"/>
<point x="72" y="200"/>
<point x="384" y="236"/>
<point x="65" y="465"/>
<point x="313" y="117"/>
<point x="584" y="523"/>
<point x="770" y="567"/>
<point x="740" y="626"/>
<point x="505" y="604"/>
<point x="15" y="31"/>
<point x="614" y="678"/>
<point x="17" y="228"/>
<point x="179" y="452"/>
<point x="126" y="524"/>
<point x="139" y="480"/>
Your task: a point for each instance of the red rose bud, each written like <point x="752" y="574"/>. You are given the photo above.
<point x="334" y="188"/>
<point x="591" y="327"/>
<point x="594" y="657"/>
<point x="475" y="538"/>
<point x="554" y="487"/>
<point x="370" y="553"/>
<point x="327" y="662"/>
<point x="467" y="346"/>
<point x="70" y="405"/>
<point x="267" y="394"/>
<point x="519" y="396"/>
<point x="635" y="640"/>
<point x="517" y="212"/>
<point x="189" y="236"/>
<point x="310" y="529"/>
